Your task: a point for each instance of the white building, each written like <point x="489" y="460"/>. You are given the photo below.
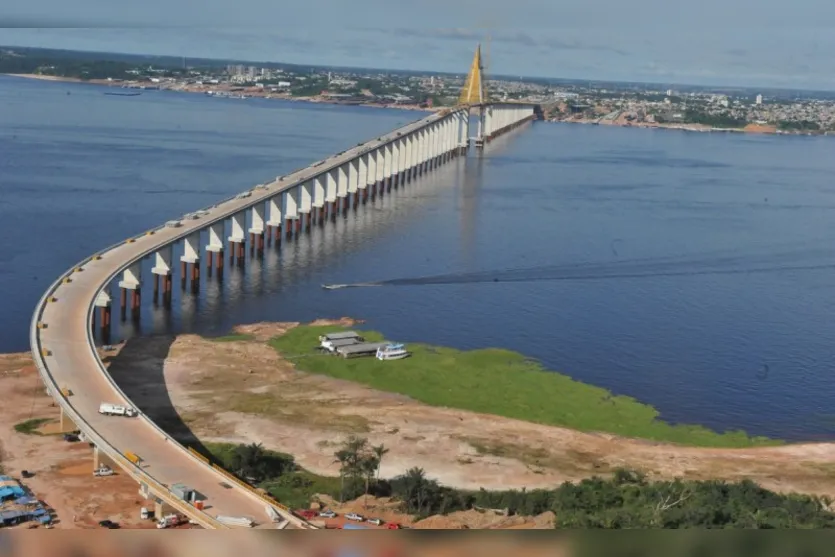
<point x="759" y="99"/>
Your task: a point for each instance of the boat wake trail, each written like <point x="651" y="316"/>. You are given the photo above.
<point x="625" y="269"/>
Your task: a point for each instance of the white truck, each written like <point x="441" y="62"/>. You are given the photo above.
<point x="116" y="410"/>
<point x="169" y="520"/>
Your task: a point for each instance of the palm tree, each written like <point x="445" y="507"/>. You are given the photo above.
<point x="368" y="465"/>
<point x="343" y="458"/>
<point x="379" y="452"/>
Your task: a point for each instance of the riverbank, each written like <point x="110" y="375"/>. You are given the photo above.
<point x="223" y="91"/>
<point x="502" y="383"/>
<point x="239" y="389"/>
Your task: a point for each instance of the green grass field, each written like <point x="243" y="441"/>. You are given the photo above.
<point x="503" y="383"/>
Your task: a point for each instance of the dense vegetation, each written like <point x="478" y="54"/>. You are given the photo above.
<point x="798" y="125"/>
<point x="626" y="500"/>
<point x="502" y="383"/>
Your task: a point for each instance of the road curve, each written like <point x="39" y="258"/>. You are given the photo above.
<point x="65" y="354"/>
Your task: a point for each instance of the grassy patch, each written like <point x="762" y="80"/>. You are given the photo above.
<point x="233" y="337"/>
<point x="297" y="488"/>
<point x="503" y="383"/>
<point x="30" y="427"/>
<point x="565" y="461"/>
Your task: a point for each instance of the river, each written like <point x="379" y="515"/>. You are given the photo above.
<point x="622" y="257"/>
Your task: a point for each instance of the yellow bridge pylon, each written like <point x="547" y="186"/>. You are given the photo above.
<point x="474" y="91"/>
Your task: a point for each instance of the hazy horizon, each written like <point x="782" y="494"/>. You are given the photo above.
<point x="710" y="43"/>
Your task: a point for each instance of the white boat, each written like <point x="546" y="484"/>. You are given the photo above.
<point x="392" y="352"/>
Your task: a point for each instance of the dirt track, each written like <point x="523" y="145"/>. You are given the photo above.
<point x="243" y="392"/>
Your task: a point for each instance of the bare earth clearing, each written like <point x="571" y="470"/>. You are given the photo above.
<point x="243" y="391"/>
<point x="63" y="471"/>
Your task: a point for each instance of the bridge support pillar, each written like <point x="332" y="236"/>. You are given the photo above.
<point x="65" y="424"/>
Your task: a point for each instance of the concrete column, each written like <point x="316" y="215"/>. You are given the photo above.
<point x="237" y="238"/>
<point x="342" y="175"/>
<point x="407" y="161"/>
<point x="291" y="210"/>
<point x="103" y="302"/>
<point x="394" y="177"/>
<point x="215" y="248"/>
<point x="131" y="281"/>
<point x="423" y="150"/>
<point x="163" y="261"/>
<point x="388" y="160"/>
<point x="355" y="169"/>
<point x="256" y="226"/>
<point x="305" y="197"/>
<point x="381" y="170"/>
<point x="331" y="186"/>
<point x="401" y="162"/>
<point x="364" y="170"/>
<point x="65" y="423"/>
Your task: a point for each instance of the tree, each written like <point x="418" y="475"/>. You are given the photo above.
<point x="248" y="461"/>
<point x="379" y="452"/>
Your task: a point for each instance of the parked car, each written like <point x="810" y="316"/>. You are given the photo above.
<point x="307" y="514"/>
<point x="26" y="474"/>
<point x="355" y="516"/>
<point x="375" y="521"/>
<point x="70" y="437"/>
<point x="327" y="514"/>
<point x="108" y="524"/>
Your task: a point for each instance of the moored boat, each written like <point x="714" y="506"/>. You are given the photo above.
<point x="392" y="352"/>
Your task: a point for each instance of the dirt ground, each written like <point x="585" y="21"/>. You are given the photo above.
<point x="63" y="477"/>
<point x="244" y="392"/>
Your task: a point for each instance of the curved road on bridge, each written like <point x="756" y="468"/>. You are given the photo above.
<point x="67" y="358"/>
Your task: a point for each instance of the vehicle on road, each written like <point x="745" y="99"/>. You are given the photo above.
<point x="355" y="516"/>
<point x="328" y="514"/>
<point x="103" y="470"/>
<point x="169" y="520"/>
<point x="116" y="410"/>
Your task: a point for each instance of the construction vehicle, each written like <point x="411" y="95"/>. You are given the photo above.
<point x="116" y="410"/>
<point x="169" y="520"/>
<point x="133" y="457"/>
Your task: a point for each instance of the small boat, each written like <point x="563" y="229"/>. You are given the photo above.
<point x="120" y="94"/>
<point x="392" y="352"/>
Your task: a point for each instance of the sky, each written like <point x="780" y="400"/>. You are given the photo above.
<point x="752" y="43"/>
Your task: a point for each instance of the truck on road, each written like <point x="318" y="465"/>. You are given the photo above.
<point x="116" y="410"/>
<point x="169" y="520"/>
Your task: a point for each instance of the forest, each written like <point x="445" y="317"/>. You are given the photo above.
<point x="626" y="499"/>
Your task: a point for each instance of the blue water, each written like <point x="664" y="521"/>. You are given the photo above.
<point x="745" y="350"/>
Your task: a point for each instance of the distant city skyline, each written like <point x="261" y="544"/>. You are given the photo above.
<point x="713" y="42"/>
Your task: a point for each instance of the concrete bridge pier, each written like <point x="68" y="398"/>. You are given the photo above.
<point x="256" y="230"/>
<point x="275" y="206"/>
<point x="190" y="260"/>
<point x="65" y="424"/>
<point x="131" y="281"/>
<point x="103" y="303"/>
<point x="237" y="239"/>
<point x="214" y="249"/>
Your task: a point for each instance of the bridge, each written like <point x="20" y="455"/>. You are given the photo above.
<point x="79" y="302"/>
